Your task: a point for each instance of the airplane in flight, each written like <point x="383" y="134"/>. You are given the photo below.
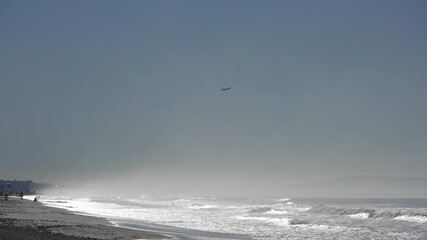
<point x="225" y="89"/>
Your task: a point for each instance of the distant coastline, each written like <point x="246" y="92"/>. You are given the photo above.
<point x="14" y="187"/>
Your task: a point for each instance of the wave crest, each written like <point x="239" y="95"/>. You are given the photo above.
<point x="365" y="213"/>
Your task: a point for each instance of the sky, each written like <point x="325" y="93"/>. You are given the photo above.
<point x="129" y="91"/>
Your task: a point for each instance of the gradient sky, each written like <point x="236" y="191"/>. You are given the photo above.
<point x="320" y="89"/>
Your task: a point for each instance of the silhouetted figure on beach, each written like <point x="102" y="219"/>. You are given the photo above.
<point x="35" y="199"/>
<point x="6" y="197"/>
<point x="21" y="194"/>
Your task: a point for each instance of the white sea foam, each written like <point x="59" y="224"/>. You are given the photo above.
<point x="277" y="221"/>
<point x="417" y="219"/>
<point x="277" y="212"/>
<point x="359" y="215"/>
<point x="263" y="219"/>
<point x="321" y="227"/>
<point x="302" y="209"/>
<point x="202" y="206"/>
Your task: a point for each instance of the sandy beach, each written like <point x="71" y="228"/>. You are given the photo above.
<point x="24" y="219"/>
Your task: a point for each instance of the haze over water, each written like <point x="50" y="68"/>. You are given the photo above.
<point x="123" y="105"/>
<point x="126" y="96"/>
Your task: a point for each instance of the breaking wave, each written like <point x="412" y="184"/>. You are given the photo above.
<point x="271" y="218"/>
<point x="415" y="218"/>
<point x="201" y="206"/>
<point x="341" y="211"/>
<point x="276" y="212"/>
<point x="364" y="213"/>
<point x="276" y="221"/>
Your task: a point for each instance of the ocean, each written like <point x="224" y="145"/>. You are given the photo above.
<point x="258" y="218"/>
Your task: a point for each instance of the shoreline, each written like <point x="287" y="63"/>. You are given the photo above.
<point x="28" y="220"/>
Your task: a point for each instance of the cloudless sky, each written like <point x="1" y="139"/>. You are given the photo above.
<point x="320" y="89"/>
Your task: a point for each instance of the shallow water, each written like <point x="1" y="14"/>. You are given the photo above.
<point x="260" y="218"/>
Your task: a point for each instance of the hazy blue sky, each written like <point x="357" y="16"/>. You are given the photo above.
<point x="320" y="89"/>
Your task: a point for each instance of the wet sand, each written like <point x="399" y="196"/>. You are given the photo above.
<point x="24" y="219"/>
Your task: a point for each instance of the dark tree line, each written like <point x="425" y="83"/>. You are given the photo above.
<point x="13" y="187"/>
